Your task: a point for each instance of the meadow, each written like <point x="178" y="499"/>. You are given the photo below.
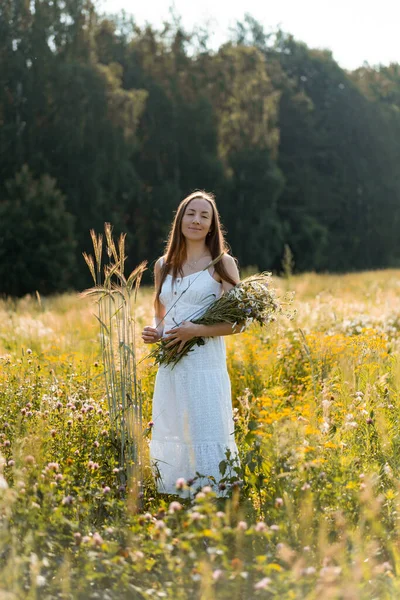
<point x="313" y="510"/>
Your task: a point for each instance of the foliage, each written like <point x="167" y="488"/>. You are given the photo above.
<point x="128" y="120"/>
<point x="312" y="507"/>
<point x="36" y="236"/>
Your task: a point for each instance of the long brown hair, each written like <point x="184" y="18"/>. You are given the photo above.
<point x="175" y="250"/>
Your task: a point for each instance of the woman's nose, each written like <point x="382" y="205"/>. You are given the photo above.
<point x="195" y="219"/>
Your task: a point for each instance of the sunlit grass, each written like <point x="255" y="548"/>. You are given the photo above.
<point x="314" y="511"/>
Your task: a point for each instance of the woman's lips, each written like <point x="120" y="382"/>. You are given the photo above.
<point x="194" y="228"/>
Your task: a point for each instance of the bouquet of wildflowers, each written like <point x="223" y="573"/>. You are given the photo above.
<point x="251" y="300"/>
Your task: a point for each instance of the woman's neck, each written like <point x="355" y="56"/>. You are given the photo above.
<point x="195" y="250"/>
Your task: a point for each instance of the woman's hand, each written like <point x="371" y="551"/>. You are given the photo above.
<point x="182" y="334"/>
<point x="150" y="335"/>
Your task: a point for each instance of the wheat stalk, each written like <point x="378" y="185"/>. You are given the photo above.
<point x="116" y="299"/>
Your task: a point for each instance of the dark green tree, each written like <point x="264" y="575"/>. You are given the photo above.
<point x="246" y="106"/>
<point x="37" y="246"/>
<point x="129" y="120"/>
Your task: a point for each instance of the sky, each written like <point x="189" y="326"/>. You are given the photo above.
<point x="354" y="30"/>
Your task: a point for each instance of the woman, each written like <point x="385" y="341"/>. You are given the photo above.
<point x="192" y="407"/>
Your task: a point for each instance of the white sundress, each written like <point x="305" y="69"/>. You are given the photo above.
<point x="192" y="405"/>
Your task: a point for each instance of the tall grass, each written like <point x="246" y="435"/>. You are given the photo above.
<point x="317" y="420"/>
<point x="116" y="300"/>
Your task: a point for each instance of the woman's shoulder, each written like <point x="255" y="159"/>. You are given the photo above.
<point x="159" y="263"/>
<point x="228" y="260"/>
<point x="230" y="265"/>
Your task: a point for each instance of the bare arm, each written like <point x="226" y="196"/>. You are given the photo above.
<point x="232" y="270"/>
<point x="217" y="329"/>
<point x="223" y="328"/>
<point x="159" y="312"/>
<point x="150" y="335"/>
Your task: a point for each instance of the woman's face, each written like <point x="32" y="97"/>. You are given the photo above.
<point x="197" y="219"/>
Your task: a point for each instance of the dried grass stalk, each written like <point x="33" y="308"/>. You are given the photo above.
<point x="116" y="301"/>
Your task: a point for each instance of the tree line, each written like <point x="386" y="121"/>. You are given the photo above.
<point x="101" y="120"/>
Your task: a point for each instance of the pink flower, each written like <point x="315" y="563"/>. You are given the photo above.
<point x="217" y="574"/>
<point x="278" y="502"/>
<point x="261" y="526"/>
<point x="263" y="584"/>
<point x="196" y="516"/>
<point x="242" y="526"/>
<point x="67" y="500"/>
<point x="97" y="539"/>
<point x="53" y="466"/>
<point x="174" y="506"/>
<point x="180" y="483"/>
